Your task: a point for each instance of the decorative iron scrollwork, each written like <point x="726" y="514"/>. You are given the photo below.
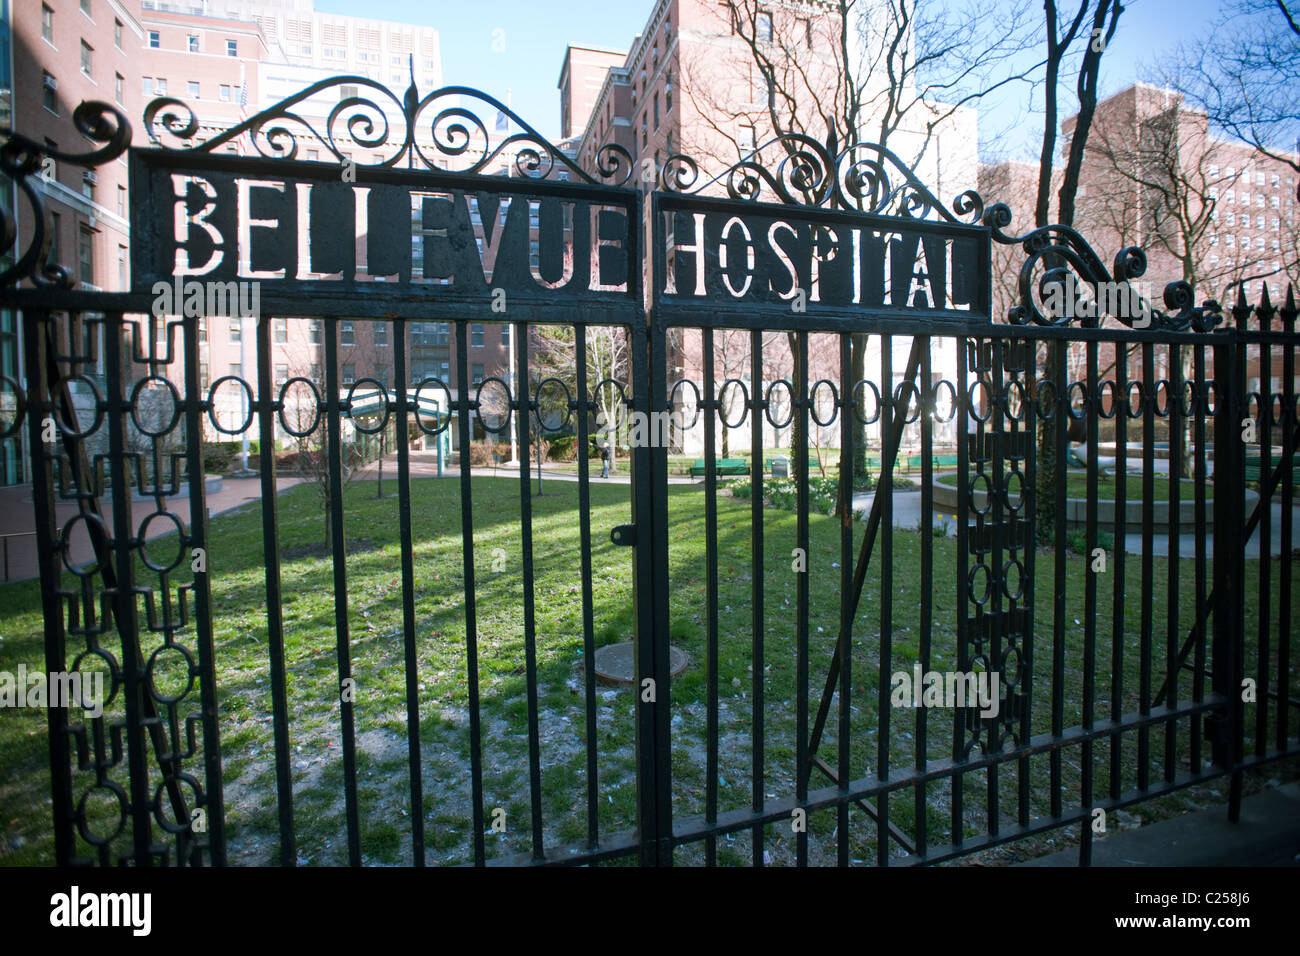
<point x="862" y="178"/>
<point x="23" y="160"/>
<point x="1073" y="275"/>
<point x="375" y="118"/>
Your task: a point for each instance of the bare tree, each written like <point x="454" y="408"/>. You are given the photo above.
<point x="852" y="72"/>
<point x="607" y="360"/>
<point x="1245" y="72"/>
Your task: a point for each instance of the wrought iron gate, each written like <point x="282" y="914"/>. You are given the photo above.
<point x="704" y="769"/>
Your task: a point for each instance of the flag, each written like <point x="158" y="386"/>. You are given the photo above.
<point x="503" y="122"/>
<point x="240" y="142"/>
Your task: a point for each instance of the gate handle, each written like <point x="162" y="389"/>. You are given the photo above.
<point x="623" y="535"/>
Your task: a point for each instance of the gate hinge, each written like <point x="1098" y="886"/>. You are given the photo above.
<point x="623" y="535"/>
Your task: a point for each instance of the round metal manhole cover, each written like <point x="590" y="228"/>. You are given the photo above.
<point x="614" y="663"/>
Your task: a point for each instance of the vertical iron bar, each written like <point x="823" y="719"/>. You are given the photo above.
<point x="588" y="621"/>
<point x="124" y="597"/>
<point x="1289" y="478"/>
<point x="524" y="407"/>
<point x="40" y="407"/>
<point x="1265" y="511"/>
<point x="266" y="409"/>
<point x="463" y="406"/>
<point x="1199" y="411"/>
<point x="1091" y="408"/>
<point x="802" y="399"/>
<point x="1146" y="660"/>
<point x="964" y="418"/>
<point x="885" y="487"/>
<point x="334" y="438"/>
<point x="711" y="594"/>
<point x="848" y="455"/>
<point x="202" y="586"/>
<point x="1117" y="628"/>
<point x="756" y="573"/>
<point x="1172" y="636"/>
<point x="925" y="409"/>
<point x="1062" y="424"/>
<point x="412" y="660"/>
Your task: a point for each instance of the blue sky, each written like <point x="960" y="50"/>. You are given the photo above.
<point x="536" y="33"/>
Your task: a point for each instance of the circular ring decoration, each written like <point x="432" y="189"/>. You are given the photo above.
<point x="144" y="546"/>
<point x="1111" y="387"/>
<point x="212" y="405"/>
<point x="904" y="394"/>
<point x="83" y="825"/>
<point x="1019" y="492"/>
<point x="934" y="402"/>
<point x="1277" y="409"/>
<point x="813" y="402"/>
<point x="159" y="803"/>
<point x="500" y="405"/>
<point x="1141" y="397"/>
<point x="17" y="404"/>
<point x="1020" y="579"/>
<point x="157" y="662"/>
<point x="1015" y="405"/>
<point x="442" y="411"/>
<point x="172" y="395"/>
<point x="1187" y="407"/>
<point x="298" y="405"/>
<point x="110" y="664"/>
<point x="723" y="402"/>
<point x="982" y="402"/>
<point x="1047" y="399"/>
<point x="768" y="403"/>
<point x="94" y="422"/>
<point x="65" y="540"/>
<point x="1162" y="387"/>
<point x="1211" y="397"/>
<point x="357" y="420"/>
<point x="1254" y="406"/>
<point x="971" y="491"/>
<point x="1077" y="390"/>
<point x="858" y="402"/>
<point x="557" y="406"/>
<point x="695" y="408"/>
<point x="979" y="601"/>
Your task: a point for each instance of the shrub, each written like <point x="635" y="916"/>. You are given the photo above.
<point x="481" y="455"/>
<point x="563" y="448"/>
<point x="1078" y="540"/>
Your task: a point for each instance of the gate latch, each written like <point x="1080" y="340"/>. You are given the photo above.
<point x="623" y="535"/>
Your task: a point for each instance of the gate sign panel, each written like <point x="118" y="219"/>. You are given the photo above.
<point x="375" y="239"/>
<point x="795" y="264"/>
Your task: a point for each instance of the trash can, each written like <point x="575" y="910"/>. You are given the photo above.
<point x="780" y="467"/>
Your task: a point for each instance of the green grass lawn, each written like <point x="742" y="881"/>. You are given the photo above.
<point x="377" y="649"/>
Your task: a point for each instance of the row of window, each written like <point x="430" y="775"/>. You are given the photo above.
<point x="423" y="334"/>
<point x="1228" y="240"/>
<point x="1230" y="197"/>
<point x="192" y="43"/>
<point x="348" y="373"/>
<point x="1231" y="220"/>
<point x="1275" y="180"/>
<point x="47" y="28"/>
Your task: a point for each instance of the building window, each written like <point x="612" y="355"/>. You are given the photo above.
<point x="155" y="41"/>
<point x="203" y="375"/>
<point x="477" y="375"/>
<point x="314" y="331"/>
<point x="87" y="54"/>
<point x="203" y="328"/>
<point x="192" y="43"/>
<point x="346" y="335"/>
<point x="48" y="98"/>
<point x="349" y="373"/>
<point x="117" y="34"/>
<point x="313" y="155"/>
<point x="381" y="375"/>
<point x="236" y="330"/>
<point x="281" y="375"/>
<point x="88" y="185"/>
<point x="146" y="85"/>
<point x="746" y="139"/>
<point x="656" y="110"/>
<point x="86" y="255"/>
<point x="118" y="82"/>
<point x="476" y="334"/>
<point x="763" y="27"/>
<point x="505" y="335"/>
<point x="160" y="86"/>
<point x="232" y="48"/>
<point x="380" y="333"/>
<point x="47" y="24"/>
<point x="237" y="369"/>
<point x="315" y="372"/>
<point x="807" y="32"/>
<point x="224" y="92"/>
<point x="193" y="87"/>
<point x="121" y="201"/>
<point x="85" y="7"/>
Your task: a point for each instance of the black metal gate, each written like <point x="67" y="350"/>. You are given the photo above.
<point x="1137" y="672"/>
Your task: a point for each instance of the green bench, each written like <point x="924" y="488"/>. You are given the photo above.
<point x="1254" y="464"/>
<point x="722" y="466"/>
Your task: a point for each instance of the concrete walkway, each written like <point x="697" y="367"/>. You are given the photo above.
<point x="1268" y="834"/>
